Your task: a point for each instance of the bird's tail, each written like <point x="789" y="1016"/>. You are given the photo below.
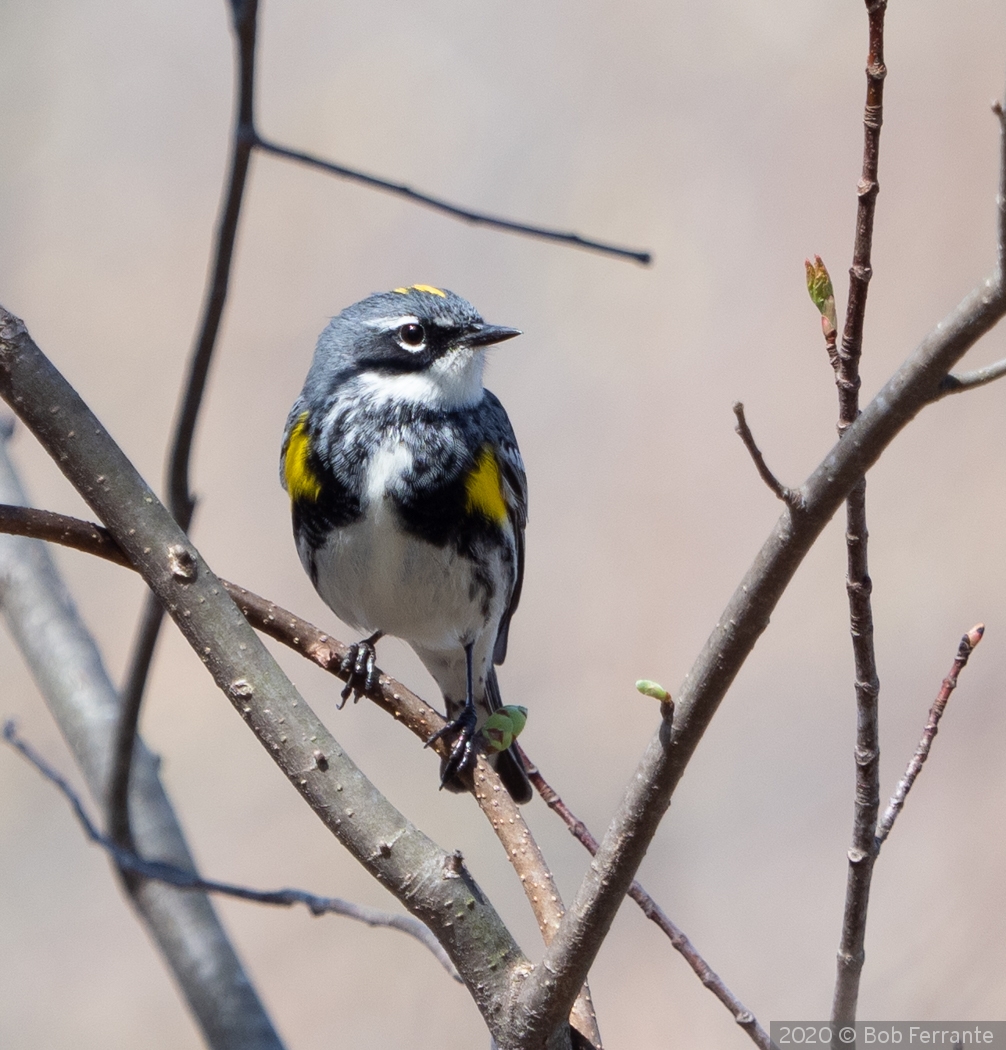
<point x="507" y="763"/>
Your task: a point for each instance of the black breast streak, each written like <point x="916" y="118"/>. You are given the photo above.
<point x="336" y="506"/>
<point x="432" y="505"/>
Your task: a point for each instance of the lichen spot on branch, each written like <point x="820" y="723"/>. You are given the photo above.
<point x="301" y="481"/>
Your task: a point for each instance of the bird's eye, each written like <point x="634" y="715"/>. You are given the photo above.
<point x="412" y="334"/>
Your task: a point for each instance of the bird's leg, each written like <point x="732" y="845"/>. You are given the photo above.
<point x="463" y="751"/>
<point x="360" y="664"/>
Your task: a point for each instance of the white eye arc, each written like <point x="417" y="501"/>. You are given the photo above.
<point x="412" y="337"/>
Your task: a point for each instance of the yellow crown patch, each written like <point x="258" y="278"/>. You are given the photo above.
<point x="421" y="288"/>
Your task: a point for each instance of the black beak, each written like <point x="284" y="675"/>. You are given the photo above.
<point x="487" y="335"/>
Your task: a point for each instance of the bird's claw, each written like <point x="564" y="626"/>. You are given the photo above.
<point x="360" y="664"/>
<point x="463" y="750"/>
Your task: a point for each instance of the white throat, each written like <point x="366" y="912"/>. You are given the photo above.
<point x="452" y="381"/>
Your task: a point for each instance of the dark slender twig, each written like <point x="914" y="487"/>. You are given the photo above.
<point x="847" y="374"/>
<point x="468" y="215"/>
<point x="741" y="1014"/>
<point x="180" y="500"/>
<point x="859" y="586"/>
<point x="791" y="497"/>
<point x="126" y="860"/>
<point x="894" y="807"/>
<point x="959" y="382"/>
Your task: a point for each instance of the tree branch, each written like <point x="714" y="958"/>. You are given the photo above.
<point x="894" y="807"/>
<point x="859" y="586"/>
<point x="679" y="940"/>
<point x="431" y="883"/>
<point x="65" y="663"/>
<point x="185" y="879"/>
<point x="475" y="218"/>
<point x="405" y="706"/>
<point x="648" y="795"/>
<point x="791" y="497"/>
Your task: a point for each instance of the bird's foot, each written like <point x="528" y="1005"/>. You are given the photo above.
<point x="463" y="749"/>
<point x="360" y="663"/>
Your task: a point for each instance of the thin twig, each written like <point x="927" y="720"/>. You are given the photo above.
<point x="126" y="860"/>
<point x="958" y="382"/>
<point x="679" y="940"/>
<point x="180" y="500"/>
<point x="859" y="586"/>
<point x="1000" y="115"/>
<point x="476" y="218"/>
<point x="861" y="270"/>
<point x="791" y="497"/>
<point x="894" y="807"/>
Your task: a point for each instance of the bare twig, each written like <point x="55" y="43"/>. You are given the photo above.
<point x="894" y="807"/>
<point x="679" y="940"/>
<point x="847" y="374"/>
<point x="958" y="382"/>
<point x="182" y="878"/>
<point x="859" y="586"/>
<point x="468" y="215"/>
<point x="791" y="497"/>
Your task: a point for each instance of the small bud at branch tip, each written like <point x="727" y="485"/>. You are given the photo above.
<point x="821" y="292"/>
<point x="654" y="689"/>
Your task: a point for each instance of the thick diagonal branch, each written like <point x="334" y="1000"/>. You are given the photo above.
<point x="430" y="882"/>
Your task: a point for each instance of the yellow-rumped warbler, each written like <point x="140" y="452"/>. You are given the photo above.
<point x="409" y="499"/>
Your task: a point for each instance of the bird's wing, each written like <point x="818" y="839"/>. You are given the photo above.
<point x="515" y="495"/>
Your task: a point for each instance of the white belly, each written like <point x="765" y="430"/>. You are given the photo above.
<point x="376" y="577"/>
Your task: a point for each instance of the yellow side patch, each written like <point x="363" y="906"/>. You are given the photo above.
<point x="484" y="488"/>
<point x="301" y="481"/>
<point x="421" y="288"/>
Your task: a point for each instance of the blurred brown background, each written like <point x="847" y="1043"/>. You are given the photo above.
<point x="726" y="137"/>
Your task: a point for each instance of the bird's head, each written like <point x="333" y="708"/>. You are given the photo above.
<point x="418" y="344"/>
